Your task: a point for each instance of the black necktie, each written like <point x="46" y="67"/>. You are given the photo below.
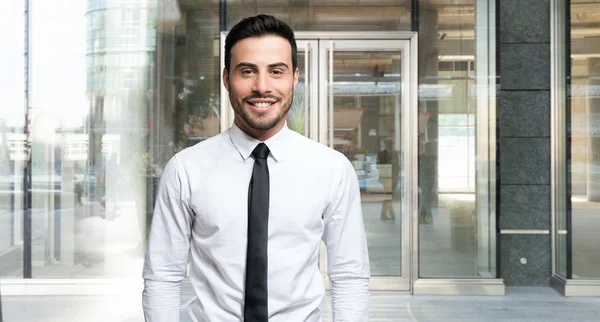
<point x="255" y="308"/>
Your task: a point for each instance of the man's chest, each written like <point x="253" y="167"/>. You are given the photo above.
<point x="297" y="200"/>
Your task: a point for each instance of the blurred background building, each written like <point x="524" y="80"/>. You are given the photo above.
<point x="472" y="126"/>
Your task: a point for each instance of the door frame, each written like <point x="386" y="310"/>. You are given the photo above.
<point x="319" y="120"/>
<point x="393" y="43"/>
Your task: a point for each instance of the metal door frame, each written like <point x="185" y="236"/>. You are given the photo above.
<point x="380" y="42"/>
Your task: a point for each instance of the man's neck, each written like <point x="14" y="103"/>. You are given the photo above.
<point x="261" y="135"/>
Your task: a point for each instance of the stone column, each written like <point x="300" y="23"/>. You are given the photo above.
<point x="524" y="141"/>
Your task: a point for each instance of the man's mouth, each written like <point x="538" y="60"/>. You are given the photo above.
<point x="261" y="105"/>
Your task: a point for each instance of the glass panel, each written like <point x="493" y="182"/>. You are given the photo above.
<point x="13" y="84"/>
<point x="90" y="111"/>
<point x="366" y="128"/>
<point x="112" y="97"/>
<point x="560" y="139"/>
<point x="297" y="117"/>
<point x="327" y="15"/>
<point x="455" y="230"/>
<point x="583" y="139"/>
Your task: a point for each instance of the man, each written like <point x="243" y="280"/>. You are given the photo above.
<point x="252" y="204"/>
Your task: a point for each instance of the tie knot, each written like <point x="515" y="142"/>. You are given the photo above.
<point x="261" y="151"/>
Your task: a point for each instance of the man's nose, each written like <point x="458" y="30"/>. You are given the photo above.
<point x="261" y="83"/>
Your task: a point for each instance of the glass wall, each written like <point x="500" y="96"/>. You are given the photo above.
<point x="578" y="177"/>
<point x="13" y="84"/>
<point x="98" y="95"/>
<point x="117" y="88"/>
<point x="456" y="139"/>
<point x="456" y="212"/>
<point x="559" y="146"/>
<point x="327" y="15"/>
<point x="113" y="89"/>
<point x="584" y="137"/>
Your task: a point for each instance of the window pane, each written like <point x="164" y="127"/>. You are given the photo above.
<point x="583" y="138"/>
<point x="109" y="108"/>
<point x="456" y="229"/>
<point x="366" y="129"/>
<point x="560" y="139"/>
<point x="327" y="15"/>
<point x="12" y="138"/>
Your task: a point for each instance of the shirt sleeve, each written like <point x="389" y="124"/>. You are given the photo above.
<point x="166" y="258"/>
<point x="347" y="254"/>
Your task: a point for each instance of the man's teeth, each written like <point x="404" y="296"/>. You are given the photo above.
<point x="263" y="105"/>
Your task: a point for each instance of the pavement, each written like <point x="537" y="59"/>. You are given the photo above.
<point x="520" y="304"/>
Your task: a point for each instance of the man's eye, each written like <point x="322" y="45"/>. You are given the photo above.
<point x="247" y="71"/>
<point x="277" y="72"/>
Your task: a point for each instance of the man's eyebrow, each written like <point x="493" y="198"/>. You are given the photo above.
<point x="243" y="64"/>
<point x="279" y="65"/>
<point x="274" y="65"/>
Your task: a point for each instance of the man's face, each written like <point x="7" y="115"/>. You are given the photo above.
<point x="261" y="81"/>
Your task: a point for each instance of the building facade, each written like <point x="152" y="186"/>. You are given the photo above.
<point x="471" y="125"/>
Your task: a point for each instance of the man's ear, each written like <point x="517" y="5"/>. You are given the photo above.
<point x="296" y="75"/>
<point x="226" y="79"/>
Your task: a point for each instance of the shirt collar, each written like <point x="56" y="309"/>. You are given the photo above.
<point x="245" y="143"/>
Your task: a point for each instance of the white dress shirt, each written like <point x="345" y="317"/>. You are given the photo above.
<point x="202" y="210"/>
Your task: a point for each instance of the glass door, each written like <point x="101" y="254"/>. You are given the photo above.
<point x="364" y="100"/>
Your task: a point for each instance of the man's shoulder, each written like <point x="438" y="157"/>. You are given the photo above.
<point x="318" y="151"/>
<point x="209" y="147"/>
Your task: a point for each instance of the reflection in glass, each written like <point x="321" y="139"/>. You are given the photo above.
<point x="583" y="134"/>
<point x="338" y="15"/>
<point x="126" y="87"/>
<point x="106" y="113"/>
<point x="89" y="137"/>
<point x="455" y="233"/>
<point x="12" y="138"/>
<point x="366" y="125"/>
<point x="297" y="115"/>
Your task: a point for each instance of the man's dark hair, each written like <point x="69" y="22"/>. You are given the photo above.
<point x="258" y="26"/>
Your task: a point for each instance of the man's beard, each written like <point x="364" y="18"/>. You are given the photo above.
<point x="261" y="122"/>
